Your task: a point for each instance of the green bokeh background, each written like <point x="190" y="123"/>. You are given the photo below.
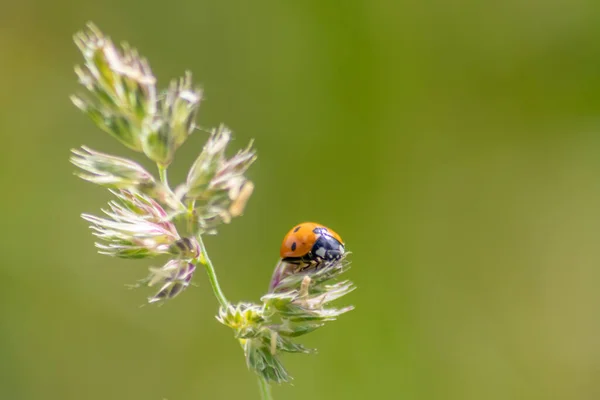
<point x="454" y="145"/>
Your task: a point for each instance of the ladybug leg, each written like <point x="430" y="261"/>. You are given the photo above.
<point x="305" y="263"/>
<point x="310" y="261"/>
<point x="303" y="266"/>
<point x="297" y="264"/>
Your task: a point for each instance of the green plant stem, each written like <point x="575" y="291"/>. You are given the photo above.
<point x="190" y="215"/>
<point x="162" y="173"/>
<point x="212" y="275"/>
<point x="265" y="389"/>
<point x="173" y="201"/>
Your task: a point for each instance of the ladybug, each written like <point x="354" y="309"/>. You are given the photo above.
<point x="310" y="243"/>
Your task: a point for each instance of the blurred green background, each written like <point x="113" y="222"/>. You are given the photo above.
<point x="455" y="146"/>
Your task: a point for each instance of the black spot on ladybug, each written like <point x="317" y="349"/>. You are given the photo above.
<point x="297" y="229"/>
<point x="294" y="246"/>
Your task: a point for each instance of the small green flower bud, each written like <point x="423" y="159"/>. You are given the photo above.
<point x="120" y="173"/>
<point x="188" y="248"/>
<point x="174" y="121"/>
<point x="217" y="185"/>
<point x="121" y="87"/>
<point x="157" y="143"/>
<point x="265" y="364"/>
<point x="243" y="317"/>
<point x="136" y="227"/>
<point x="110" y="171"/>
<point x="114" y="124"/>
<point x="208" y="162"/>
<point x="175" y="276"/>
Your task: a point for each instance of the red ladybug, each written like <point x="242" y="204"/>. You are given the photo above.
<point x="311" y="243"/>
